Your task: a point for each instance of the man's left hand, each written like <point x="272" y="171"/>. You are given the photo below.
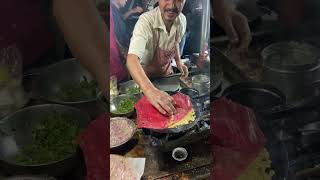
<point x="183" y="69"/>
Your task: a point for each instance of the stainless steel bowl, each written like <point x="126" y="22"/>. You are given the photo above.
<point x="131" y="125"/>
<point x="115" y="102"/>
<point x="201" y="83"/>
<point x="48" y="82"/>
<point x="16" y="133"/>
<point x="124" y="88"/>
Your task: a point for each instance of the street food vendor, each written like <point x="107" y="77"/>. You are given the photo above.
<point x="155" y="43"/>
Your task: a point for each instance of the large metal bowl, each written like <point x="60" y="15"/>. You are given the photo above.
<point x="125" y="141"/>
<point x="48" y="82"/>
<point x="201" y="83"/>
<point x="124" y="88"/>
<point x="115" y="102"/>
<point x="16" y="133"/>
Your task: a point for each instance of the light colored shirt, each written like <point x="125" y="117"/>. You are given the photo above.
<point x="143" y="43"/>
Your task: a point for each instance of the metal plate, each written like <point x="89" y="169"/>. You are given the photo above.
<point x="168" y="84"/>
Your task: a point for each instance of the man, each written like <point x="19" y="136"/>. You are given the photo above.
<point x="157" y="27"/>
<point x="154" y="44"/>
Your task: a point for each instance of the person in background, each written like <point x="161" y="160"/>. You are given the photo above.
<point x="28" y="25"/>
<point x="131" y="12"/>
<point x="119" y="41"/>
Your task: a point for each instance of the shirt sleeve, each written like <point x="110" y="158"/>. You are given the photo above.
<point x="182" y="30"/>
<point x="141" y="34"/>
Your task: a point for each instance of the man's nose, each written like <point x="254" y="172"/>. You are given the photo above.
<point x="172" y="4"/>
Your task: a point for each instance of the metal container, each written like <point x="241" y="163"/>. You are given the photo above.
<point x="124" y="88"/>
<point x="201" y="83"/>
<point x="16" y="133"/>
<point x="48" y="82"/>
<point x="115" y="102"/>
<point x="128" y="143"/>
<point x="291" y="67"/>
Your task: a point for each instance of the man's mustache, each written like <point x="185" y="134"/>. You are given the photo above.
<point x="173" y="10"/>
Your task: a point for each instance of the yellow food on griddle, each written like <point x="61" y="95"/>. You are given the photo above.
<point x="259" y="169"/>
<point x="185" y="120"/>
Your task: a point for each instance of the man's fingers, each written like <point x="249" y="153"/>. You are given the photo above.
<point x="186" y="74"/>
<point x="166" y="107"/>
<point x="231" y="32"/>
<point x="160" y="109"/>
<point x="243" y="29"/>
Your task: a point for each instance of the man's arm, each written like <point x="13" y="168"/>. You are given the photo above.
<point x="86" y="34"/>
<point x="182" y="68"/>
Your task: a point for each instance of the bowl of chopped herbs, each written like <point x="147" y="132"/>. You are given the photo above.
<point x="41" y="139"/>
<point x="123" y="105"/>
<point x="67" y="82"/>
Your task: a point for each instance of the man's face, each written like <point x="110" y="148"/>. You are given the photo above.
<point x="170" y="9"/>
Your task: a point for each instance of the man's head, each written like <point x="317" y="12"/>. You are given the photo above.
<point x="170" y="9"/>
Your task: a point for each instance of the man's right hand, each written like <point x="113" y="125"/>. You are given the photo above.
<point x="161" y="100"/>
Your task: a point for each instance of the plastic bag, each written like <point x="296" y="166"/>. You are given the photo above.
<point x="236" y="139"/>
<point x="12" y="94"/>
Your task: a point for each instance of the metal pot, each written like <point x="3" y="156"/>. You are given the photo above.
<point x="201" y="83"/>
<point x="17" y="133"/>
<point x="291" y="78"/>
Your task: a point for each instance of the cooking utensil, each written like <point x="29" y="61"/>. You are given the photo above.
<point x="116" y="102"/>
<point x="124" y="88"/>
<point x="48" y="82"/>
<point x="258" y="96"/>
<point x="291" y="67"/>
<point x="168" y="83"/>
<point x="201" y="83"/>
<point x="17" y="134"/>
<point x="191" y="92"/>
<point x="128" y="143"/>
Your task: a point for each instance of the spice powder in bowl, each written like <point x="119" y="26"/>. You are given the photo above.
<point x="121" y="131"/>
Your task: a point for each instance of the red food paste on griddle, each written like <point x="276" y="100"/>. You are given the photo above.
<point x="149" y="117"/>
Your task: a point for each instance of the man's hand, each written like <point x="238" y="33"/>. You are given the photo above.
<point x="183" y="69"/>
<point x="137" y="10"/>
<point x="162" y="101"/>
<point x="234" y="23"/>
